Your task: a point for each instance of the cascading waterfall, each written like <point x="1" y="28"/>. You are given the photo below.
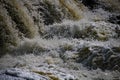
<point x="66" y="35"/>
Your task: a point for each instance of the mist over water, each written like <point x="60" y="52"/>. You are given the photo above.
<point x="65" y="39"/>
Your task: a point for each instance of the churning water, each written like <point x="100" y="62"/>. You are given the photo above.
<point x="69" y="34"/>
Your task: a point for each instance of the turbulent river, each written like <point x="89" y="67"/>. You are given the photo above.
<point x="59" y="40"/>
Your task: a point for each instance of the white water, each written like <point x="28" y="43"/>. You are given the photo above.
<point x="56" y="33"/>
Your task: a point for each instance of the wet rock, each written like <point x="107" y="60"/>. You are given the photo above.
<point x="18" y="74"/>
<point x="55" y="73"/>
<point x="116" y="49"/>
<point x="24" y="74"/>
<point x="38" y="74"/>
<point x="98" y="61"/>
<point x="7" y="77"/>
<point x="114" y="62"/>
<point x="84" y="53"/>
<point x="99" y="57"/>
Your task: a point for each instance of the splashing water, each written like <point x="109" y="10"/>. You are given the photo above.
<point x="69" y="34"/>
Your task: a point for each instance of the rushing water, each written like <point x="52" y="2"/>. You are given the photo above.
<point x="72" y="34"/>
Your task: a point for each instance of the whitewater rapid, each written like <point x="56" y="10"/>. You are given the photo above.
<point x="68" y="39"/>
